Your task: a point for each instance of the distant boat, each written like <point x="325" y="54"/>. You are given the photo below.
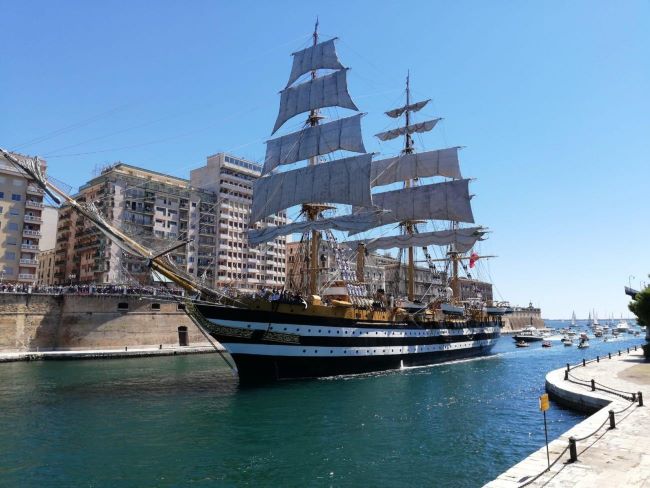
<point x="584" y="343"/>
<point x="573" y="319"/>
<point x="522" y="344"/>
<point x="622" y="326"/>
<point x="567" y="341"/>
<point x="595" y="321"/>
<point x="529" y="334"/>
<point x="546" y="344"/>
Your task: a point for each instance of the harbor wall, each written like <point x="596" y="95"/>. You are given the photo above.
<point x="522" y="317"/>
<point x="39" y="322"/>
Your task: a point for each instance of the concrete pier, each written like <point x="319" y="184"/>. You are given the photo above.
<point x="607" y="457"/>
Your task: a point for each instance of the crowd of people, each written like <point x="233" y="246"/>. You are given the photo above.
<point x="91" y="289"/>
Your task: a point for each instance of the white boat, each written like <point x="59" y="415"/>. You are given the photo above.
<point x="573" y="319"/>
<point x="584" y="343"/>
<point x="567" y="341"/>
<point x="622" y="326"/>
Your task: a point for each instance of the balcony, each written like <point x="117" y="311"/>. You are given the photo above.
<point x="34" y="190"/>
<point x="29" y="247"/>
<point x="31" y="233"/>
<point x="32" y="218"/>
<point x="29" y="262"/>
<point x="26" y="277"/>
<point x="34" y="204"/>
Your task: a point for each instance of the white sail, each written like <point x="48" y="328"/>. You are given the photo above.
<point x="320" y="56"/>
<point x="344" y="181"/>
<point x="441" y="201"/>
<point x="462" y="239"/>
<point x="326" y="91"/>
<point x="348" y="223"/>
<point x="413" y="107"/>
<point x="425" y="126"/>
<point x="443" y="162"/>
<point x="314" y="141"/>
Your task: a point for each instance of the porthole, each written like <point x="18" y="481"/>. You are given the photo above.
<point x="304" y="350"/>
<point x="331" y="352"/>
<point x="316" y="351"/>
<point x="285" y="328"/>
<point x="319" y="331"/>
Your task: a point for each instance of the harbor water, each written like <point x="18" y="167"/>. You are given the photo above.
<point x="184" y="421"/>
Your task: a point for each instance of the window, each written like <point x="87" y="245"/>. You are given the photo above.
<point x="12" y="226"/>
<point x="17" y="182"/>
<point x="11" y="241"/>
<point x="15" y="198"/>
<point x="155" y="306"/>
<point x="2" y="194"/>
<point x="10" y="255"/>
<point x="7" y="271"/>
<point x="123" y="306"/>
<point x="14" y="211"/>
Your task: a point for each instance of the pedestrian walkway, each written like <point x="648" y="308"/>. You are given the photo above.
<point x="605" y="457"/>
<point x="125" y="352"/>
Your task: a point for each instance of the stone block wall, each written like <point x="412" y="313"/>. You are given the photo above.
<point x="30" y="322"/>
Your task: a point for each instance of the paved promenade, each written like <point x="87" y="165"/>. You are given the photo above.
<point x="130" y="352"/>
<point x="608" y="458"/>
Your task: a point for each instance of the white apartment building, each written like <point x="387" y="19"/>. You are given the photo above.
<point x="239" y="266"/>
<point x="21" y="207"/>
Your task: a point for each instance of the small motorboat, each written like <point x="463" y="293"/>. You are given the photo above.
<point x="522" y="344"/>
<point x="584" y="343"/>
<point x="567" y="341"/>
<point x="546" y="344"/>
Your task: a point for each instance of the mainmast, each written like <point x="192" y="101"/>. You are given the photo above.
<point x="408" y="224"/>
<point x="312" y="210"/>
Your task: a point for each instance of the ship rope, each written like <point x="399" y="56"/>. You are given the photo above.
<point x="356" y="291"/>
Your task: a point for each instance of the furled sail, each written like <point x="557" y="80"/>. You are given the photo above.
<point x="345" y="181"/>
<point x="440" y="201"/>
<point x="320" y="56"/>
<point x="315" y="141"/>
<point x="443" y="162"/>
<point x="462" y="239"/>
<point x="425" y="126"/>
<point x="347" y="223"/>
<point x="413" y="107"/>
<point x="326" y="91"/>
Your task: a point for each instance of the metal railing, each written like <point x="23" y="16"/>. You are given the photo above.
<point x="572" y="447"/>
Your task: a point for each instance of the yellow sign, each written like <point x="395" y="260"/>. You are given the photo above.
<point x="543" y="402"/>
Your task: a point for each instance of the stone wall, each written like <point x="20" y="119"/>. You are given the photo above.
<point x="522" y="318"/>
<point x="30" y="322"/>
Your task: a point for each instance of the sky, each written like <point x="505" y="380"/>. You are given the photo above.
<point x="549" y="99"/>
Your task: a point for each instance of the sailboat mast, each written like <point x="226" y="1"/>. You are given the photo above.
<point x="312" y="210"/>
<point x="408" y="225"/>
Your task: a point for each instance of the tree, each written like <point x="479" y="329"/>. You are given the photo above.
<point x="640" y="306"/>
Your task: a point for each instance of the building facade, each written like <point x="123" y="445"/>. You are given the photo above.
<point x="45" y="270"/>
<point x="238" y="265"/>
<point x="21" y="207"/>
<point x="210" y="210"/>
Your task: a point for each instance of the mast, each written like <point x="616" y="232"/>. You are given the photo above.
<point x="311" y="209"/>
<point x="408" y="225"/>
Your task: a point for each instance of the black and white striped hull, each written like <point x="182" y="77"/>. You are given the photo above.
<point x="272" y="346"/>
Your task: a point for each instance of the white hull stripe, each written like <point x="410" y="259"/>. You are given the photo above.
<point x="329" y="331"/>
<point x="320" y="351"/>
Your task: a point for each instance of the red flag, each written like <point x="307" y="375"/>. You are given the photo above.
<point x="472" y="259"/>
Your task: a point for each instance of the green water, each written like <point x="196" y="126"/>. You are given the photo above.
<point x="184" y="421"/>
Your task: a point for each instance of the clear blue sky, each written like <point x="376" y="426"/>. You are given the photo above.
<point x="550" y="99"/>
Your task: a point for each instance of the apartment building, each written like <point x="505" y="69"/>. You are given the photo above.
<point x="211" y="209"/>
<point x="21" y="207"/>
<point x="238" y="265"/>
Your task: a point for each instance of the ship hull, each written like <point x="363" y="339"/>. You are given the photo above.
<point x="268" y="346"/>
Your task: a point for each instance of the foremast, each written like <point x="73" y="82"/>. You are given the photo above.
<point x="319" y="184"/>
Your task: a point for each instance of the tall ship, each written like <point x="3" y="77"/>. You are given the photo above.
<point x="339" y="328"/>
